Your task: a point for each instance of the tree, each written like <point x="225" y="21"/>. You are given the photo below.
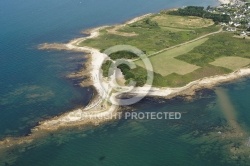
<point x="200" y="12"/>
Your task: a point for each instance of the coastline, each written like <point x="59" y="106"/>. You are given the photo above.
<point x="97" y="58"/>
<point x="95" y="112"/>
<point x="190" y="88"/>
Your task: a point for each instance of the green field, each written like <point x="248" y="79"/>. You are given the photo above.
<point x="176" y="29"/>
<point x="182" y="22"/>
<point x="232" y="63"/>
<point x="165" y="62"/>
<point x="174" y="80"/>
<point x="151" y="36"/>
<point x="220" y="45"/>
<point x="220" y="54"/>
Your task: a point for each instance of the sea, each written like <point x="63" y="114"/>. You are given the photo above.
<point x="34" y="86"/>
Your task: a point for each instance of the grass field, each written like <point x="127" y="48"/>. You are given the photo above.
<point x="220" y="45"/>
<point x="174" y="79"/>
<point x="165" y="62"/>
<point x="183" y="22"/>
<point x="177" y="80"/>
<point x="176" y="29"/>
<point x="232" y="63"/>
<point x="220" y="54"/>
<point x="150" y="37"/>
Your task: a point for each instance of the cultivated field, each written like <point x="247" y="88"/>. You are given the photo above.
<point x="232" y="63"/>
<point x="220" y="45"/>
<point x="183" y="22"/>
<point x="165" y="62"/>
<point x="214" y="55"/>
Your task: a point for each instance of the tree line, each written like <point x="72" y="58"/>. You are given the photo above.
<point x="200" y="12"/>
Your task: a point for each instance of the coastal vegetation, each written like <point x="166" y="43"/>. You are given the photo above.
<point x="106" y="66"/>
<point x="146" y="23"/>
<point x="123" y="55"/>
<point x="139" y="75"/>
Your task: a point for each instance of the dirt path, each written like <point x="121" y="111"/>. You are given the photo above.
<point x="178" y="45"/>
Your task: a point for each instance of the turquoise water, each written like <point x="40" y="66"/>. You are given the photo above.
<point x="33" y="87"/>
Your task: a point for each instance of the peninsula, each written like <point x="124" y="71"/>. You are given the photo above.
<point x="187" y="53"/>
<point x="189" y="49"/>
